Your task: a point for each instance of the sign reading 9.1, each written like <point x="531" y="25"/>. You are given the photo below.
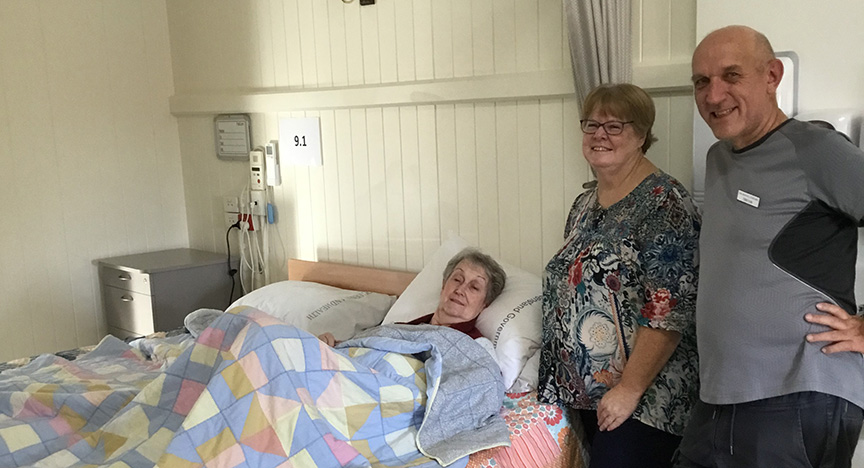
<point x="300" y="141"/>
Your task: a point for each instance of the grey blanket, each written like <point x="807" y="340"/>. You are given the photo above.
<point x="464" y="388"/>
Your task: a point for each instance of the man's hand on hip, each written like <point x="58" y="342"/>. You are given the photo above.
<point x="847" y="332"/>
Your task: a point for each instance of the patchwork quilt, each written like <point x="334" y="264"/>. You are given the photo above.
<point x="251" y="391"/>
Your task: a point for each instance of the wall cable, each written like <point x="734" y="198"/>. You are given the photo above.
<point x="232" y="272"/>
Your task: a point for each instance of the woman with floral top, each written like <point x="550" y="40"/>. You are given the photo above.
<point x="619" y="297"/>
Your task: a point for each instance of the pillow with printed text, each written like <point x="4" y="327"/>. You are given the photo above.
<point x="318" y="308"/>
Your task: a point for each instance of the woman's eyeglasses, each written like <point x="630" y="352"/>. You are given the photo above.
<point x="612" y="127"/>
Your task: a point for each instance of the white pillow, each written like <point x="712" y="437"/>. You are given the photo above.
<point x="529" y="377"/>
<point x="513" y="321"/>
<point x="318" y="308"/>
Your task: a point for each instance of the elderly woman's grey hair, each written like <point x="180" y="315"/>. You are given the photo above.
<point x="494" y="273"/>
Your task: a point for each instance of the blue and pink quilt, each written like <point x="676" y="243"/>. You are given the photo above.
<point x="253" y="391"/>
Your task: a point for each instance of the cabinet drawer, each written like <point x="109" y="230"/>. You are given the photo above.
<point x="129" y="310"/>
<point x="131" y="280"/>
<point x="121" y="333"/>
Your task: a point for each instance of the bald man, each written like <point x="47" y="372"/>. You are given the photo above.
<point x="783" y="201"/>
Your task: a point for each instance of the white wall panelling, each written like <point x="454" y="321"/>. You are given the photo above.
<point x="538" y="84"/>
<point x="664" y="31"/>
<point x="410" y="154"/>
<point x="664" y="34"/>
<point x="90" y="160"/>
<point x="436" y="116"/>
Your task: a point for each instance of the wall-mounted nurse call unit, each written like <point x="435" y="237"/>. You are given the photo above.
<point x="233" y="136"/>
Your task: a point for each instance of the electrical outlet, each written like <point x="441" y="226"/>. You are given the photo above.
<point x="230" y="219"/>
<point x="231" y="205"/>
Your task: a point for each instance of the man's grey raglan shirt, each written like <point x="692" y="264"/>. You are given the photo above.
<point x="779" y="235"/>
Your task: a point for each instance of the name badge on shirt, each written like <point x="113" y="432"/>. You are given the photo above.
<point x="748" y="198"/>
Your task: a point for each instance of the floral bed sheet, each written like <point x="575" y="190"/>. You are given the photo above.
<point x="540" y="437"/>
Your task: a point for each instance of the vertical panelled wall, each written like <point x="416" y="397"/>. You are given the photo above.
<point x="396" y="178"/>
<point x="664" y="35"/>
<point x="89" y="160"/>
<point x="223" y="45"/>
<point x="399" y="179"/>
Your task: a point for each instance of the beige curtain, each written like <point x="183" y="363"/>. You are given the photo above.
<point x="599" y="42"/>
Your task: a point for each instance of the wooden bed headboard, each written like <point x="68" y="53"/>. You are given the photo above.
<point x="353" y="277"/>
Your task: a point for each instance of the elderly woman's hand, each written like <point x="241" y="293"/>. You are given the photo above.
<point x="328" y="338"/>
<point x="616" y="406"/>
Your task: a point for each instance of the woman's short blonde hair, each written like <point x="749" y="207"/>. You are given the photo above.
<point x="627" y="102"/>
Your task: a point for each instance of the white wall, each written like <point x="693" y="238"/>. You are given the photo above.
<point x="89" y="160"/>
<point x="436" y="116"/>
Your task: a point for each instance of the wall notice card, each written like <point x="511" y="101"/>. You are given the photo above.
<point x="300" y="141"/>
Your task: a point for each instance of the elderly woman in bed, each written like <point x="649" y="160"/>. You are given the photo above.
<point x="472" y="280"/>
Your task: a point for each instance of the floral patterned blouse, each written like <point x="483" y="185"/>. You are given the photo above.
<point x="631" y="265"/>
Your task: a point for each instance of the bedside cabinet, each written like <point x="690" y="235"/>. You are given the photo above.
<point x="154" y="291"/>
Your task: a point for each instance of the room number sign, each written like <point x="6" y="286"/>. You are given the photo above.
<point x="300" y="141"/>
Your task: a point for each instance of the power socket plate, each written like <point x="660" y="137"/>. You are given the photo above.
<point x="230" y="205"/>
<point x="230" y="219"/>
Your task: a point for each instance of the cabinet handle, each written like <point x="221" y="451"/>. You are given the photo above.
<point x="124" y="277"/>
<point x="126" y="298"/>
